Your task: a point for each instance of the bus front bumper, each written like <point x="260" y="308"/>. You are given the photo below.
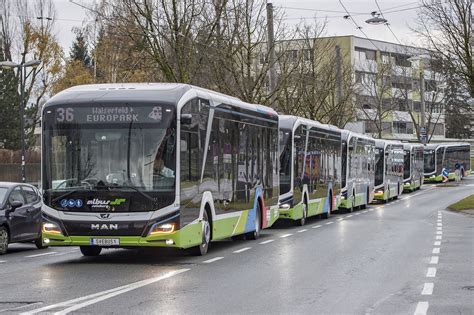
<point x="189" y="236"/>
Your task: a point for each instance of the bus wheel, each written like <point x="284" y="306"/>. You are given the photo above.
<point x="3" y="240"/>
<point x="258" y="219"/>
<point x="90" y="250"/>
<point x="302" y="221"/>
<point x="39" y="243"/>
<point x="202" y="249"/>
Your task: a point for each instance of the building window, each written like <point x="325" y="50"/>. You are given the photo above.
<point x="364" y="54"/>
<point x="291" y="55"/>
<point x="308" y="54"/>
<point x="387" y="127"/>
<point x="416" y="106"/>
<point x="438" y="130"/>
<point x="402" y="127"/>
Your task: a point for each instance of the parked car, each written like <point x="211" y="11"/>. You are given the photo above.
<point x="20" y="215"/>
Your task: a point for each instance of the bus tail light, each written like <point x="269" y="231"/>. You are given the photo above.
<point x="164" y="228"/>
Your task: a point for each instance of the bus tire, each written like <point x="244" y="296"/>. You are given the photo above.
<point x="326" y="215"/>
<point x="258" y="224"/>
<point x="302" y="221"/>
<point x="202" y="249"/>
<point x="39" y="243"/>
<point x="90" y="251"/>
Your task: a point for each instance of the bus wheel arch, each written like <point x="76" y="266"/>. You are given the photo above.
<point x="253" y="235"/>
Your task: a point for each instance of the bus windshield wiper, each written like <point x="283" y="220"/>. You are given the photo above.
<point x="136" y="189"/>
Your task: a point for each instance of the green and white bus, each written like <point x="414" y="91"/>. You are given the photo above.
<point x="445" y="155"/>
<point x="412" y="166"/>
<point x="388" y="170"/>
<point x="358" y="170"/>
<point x="310" y="159"/>
<point x="129" y="165"/>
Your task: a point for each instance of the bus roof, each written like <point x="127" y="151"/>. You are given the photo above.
<point x="409" y="146"/>
<point x="290" y="121"/>
<point x="346" y="134"/>
<point x="382" y="143"/>
<point x="169" y="93"/>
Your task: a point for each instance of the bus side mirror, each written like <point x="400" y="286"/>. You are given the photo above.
<point x="186" y="119"/>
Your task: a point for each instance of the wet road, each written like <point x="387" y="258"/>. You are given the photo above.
<point x="409" y="256"/>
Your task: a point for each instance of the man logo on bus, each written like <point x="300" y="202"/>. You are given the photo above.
<point x="156" y="113"/>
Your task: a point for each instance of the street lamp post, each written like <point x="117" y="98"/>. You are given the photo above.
<point x="22" y="75"/>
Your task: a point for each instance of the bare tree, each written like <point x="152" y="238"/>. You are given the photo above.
<point x="446" y="28"/>
<point x="374" y="95"/>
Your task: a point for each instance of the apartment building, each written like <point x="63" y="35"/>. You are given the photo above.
<point x="387" y="80"/>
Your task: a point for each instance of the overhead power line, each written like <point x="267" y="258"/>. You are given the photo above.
<point x="349" y="16"/>
<point x="386" y="23"/>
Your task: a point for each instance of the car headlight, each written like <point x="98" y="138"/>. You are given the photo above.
<point x="52" y="228"/>
<point x="164" y="228"/>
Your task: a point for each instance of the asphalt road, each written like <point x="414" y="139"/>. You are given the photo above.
<point x="406" y="257"/>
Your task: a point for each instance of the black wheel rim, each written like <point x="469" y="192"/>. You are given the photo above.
<point x="3" y="240"/>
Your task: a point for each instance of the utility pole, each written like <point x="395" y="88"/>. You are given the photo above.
<point x="272" y="75"/>
<point x="423" y="132"/>
<point x="338" y="74"/>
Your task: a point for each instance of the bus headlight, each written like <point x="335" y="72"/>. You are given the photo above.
<point x="51" y="228"/>
<point x="164" y="228"/>
<point x="285" y="206"/>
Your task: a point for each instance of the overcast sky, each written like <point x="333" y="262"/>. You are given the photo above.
<point x="70" y="15"/>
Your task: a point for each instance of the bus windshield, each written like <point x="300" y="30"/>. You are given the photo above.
<point x="406" y="164"/>
<point x="109" y="158"/>
<point x="379" y="161"/>
<point x="285" y="160"/>
<point x="429" y="161"/>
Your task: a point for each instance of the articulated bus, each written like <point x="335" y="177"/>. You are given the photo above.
<point x="412" y="166"/>
<point x="310" y="159"/>
<point x="128" y="165"/>
<point x="388" y="170"/>
<point x="445" y="155"/>
<point x="358" y="170"/>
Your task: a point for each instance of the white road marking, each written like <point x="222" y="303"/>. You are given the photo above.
<point x="212" y="260"/>
<point x="340" y="219"/>
<point x="357" y="213"/>
<point x="434" y="260"/>
<point x="286" y="235"/>
<point x="2" y="261"/>
<point x="421" y="308"/>
<point x="39" y="255"/>
<point x="436" y="250"/>
<point x="303" y="230"/>
<point x="75" y="304"/>
<point x="439" y="228"/>
<point x="349" y="216"/>
<point x="431" y="273"/>
<point x="373" y="209"/>
<point x="317" y="226"/>
<point x="365" y="211"/>
<point x="427" y="288"/>
<point x="437" y="243"/>
<point x="439" y="232"/>
<point x="439" y="224"/>
<point x="330" y="222"/>
<point x="241" y="250"/>
<point x="439" y="237"/>
<point x="266" y="242"/>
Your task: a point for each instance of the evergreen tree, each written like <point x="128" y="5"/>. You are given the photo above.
<point x="9" y="107"/>
<point x="79" y="51"/>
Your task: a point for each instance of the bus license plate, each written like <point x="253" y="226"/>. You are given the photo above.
<point x="105" y="241"/>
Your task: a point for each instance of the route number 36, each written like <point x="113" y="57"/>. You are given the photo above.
<point x="64" y="114"/>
